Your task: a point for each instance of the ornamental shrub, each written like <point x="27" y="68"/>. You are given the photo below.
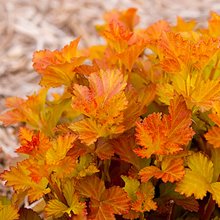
<point x="135" y="132"/>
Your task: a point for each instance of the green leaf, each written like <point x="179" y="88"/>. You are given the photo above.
<point x="131" y="186"/>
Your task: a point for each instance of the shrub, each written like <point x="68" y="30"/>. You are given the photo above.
<point x="135" y="132"/>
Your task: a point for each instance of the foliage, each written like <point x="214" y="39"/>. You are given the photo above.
<point x="135" y="132"/>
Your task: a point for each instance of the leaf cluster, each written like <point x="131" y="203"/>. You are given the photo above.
<point x="133" y="133"/>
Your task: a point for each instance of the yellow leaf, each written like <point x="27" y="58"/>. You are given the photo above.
<point x="59" y="148"/>
<point x="201" y="165"/>
<point x="8" y="212"/>
<point x="88" y="130"/>
<point x="144" y="202"/>
<point x="18" y="177"/>
<point x="193" y="184"/>
<point x="200" y="173"/>
<point x="85" y="167"/>
<point x="72" y="198"/>
<point x="55" y="208"/>
<point x="215" y="190"/>
<point x="131" y="186"/>
<point x="37" y="190"/>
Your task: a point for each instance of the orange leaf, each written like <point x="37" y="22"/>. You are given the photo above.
<point x="213" y="136"/>
<point x="104" y="150"/>
<point x="124" y="147"/>
<point x="130" y="55"/>
<point x="57" y="67"/>
<point x="104" y="203"/>
<point x="184" y="26"/>
<point x="117" y="35"/>
<point x="25" y="110"/>
<point x="144" y="201"/>
<point x="129" y="17"/>
<point x="171" y="170"/>
<point x="33" y="144"/>
<point x="103" y="103"/>
<point x="166" y="134"/>
<point x="214" y="24"/>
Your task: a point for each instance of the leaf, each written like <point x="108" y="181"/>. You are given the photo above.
<point x="130" y="55"/>
<point x="57" y="67"/>
<point x="102" y="103"/>
<point x="189" y="185"/>
<point x="215" y="159"/>
<point x="104" y="203"/>
<point x="117" y="35"/>
<point x="94" y="189"/>
<point x="154" y="31"/>
<point x="25" y="110"/>
<point x="35" y="144"/>
<point x="137" y="102"/>
<point x="144" y="201"/>
<point x="156" y="132"/>
<point x="180" y="54"/>
<point x="8" y="212"/>
<point x="27" y="214"/>
<point x="215" y="192"/>
<point x="25" y="135"/>
<point x="59" y="148"/>
<point x="131" y="187"/>
<point x="199" y="85"/>
<point x="129" y="17"/>
<point x="104" y="150"/>
<point x="171" y="170"/>
<point x="167" y="194"/>
<point x="72" y="199"/>
<point x="116" y="198"/>
<point x="57" y="208"/>
<point x="213" y="137"/>
<point x="213" y="24"/>
<point x="199" y="173"/>
<point x="68" y="164"/>
<point x="18" y="177"/>
<point x="88" y="130"/>
<point x="38" y="190"/>
<point x="184" y="26"/>
<point x="85" y="167"/>
<point x="124" y="147"/>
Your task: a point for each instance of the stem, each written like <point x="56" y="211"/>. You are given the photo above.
<point x="107" y="164"/>
<point x="142" y="216"/>
<point x="171" y="213"/>
<point x="209" y="209"/>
